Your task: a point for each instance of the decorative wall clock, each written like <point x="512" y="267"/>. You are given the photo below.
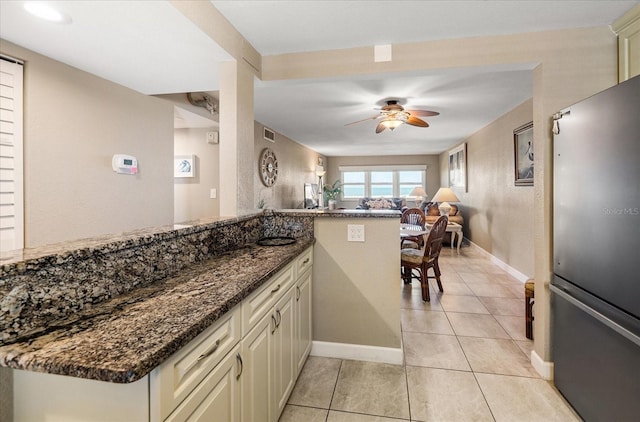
<point x="268" y="167"/>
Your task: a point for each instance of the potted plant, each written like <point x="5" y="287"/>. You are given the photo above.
<point x="331" y="193"/>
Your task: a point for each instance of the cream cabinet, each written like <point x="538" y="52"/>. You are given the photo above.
<point x="303" y="335"/>
<point x="217" y="397"/>
<point x="628" y="29"/>
<point x="242" y="368"/>
<point x="273" y="349"/>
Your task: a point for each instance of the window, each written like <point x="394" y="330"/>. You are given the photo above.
<point x="381" y="181"/>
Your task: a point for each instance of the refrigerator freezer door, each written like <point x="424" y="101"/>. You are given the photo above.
<point x="596" y="366"/>
<point x="597" y="198"/>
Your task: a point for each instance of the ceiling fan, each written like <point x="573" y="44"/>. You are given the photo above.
<point x="393" y="115"/>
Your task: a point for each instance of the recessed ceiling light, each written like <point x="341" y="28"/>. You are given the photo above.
<point x="44" y="11"/>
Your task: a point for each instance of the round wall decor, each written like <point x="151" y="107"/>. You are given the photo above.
<point x="268" y="167"/>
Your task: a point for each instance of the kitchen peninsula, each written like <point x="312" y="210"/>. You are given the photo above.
<point x="118" y="308"/>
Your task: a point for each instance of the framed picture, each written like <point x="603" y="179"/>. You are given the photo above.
<point x="458" y="167"/>
<point x="184" y="166"/>
<point x="523" y="151"/>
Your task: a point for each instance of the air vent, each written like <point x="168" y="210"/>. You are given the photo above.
<point x="269" y="135"/>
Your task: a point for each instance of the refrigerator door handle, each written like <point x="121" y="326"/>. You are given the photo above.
<point x="597" y="315"/>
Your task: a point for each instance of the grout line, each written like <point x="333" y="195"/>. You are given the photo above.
<point x="335" y="385"/>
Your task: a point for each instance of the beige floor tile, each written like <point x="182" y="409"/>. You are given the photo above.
<point x="476" y="325"/>
<point x="457" y="289"/>
<point x="434" y="322"/>
<point x="492" y="290"/>
<point x="523" y="399"/>
<point x="496" y="356"/>
<point x="298" y="413"/>
<point x="514" y="325"/>
<point x="526" y="346"/>
<point x="335" y="416"/>
<point x="469" y="304"/>
<point x="475" y="277"/>
<point x="503" y="305"/>
<point x="412" y="299"/>
<point x="434" y="351"/>
<point x="466" y="267"/>
<point x="443" y="395"/>
<point x="372" y="388"/>
<point x="517" y="290"/>
<point x="316" y="382"/>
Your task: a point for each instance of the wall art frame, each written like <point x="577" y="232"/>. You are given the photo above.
<point x="458" y="167"/>
<point x="523" y="155"/>
<point x="184" y="166"/>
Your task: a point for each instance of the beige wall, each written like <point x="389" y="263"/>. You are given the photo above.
<point x="192" y="199"/>
<point x="296" y="166"/>
<point x="431" y="161"/>
<point x="498" y="215"/>
<point x="73" y="124"/>
<point x="356" y="285"/>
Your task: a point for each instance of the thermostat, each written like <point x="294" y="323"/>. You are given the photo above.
<point x="125" y="164"/>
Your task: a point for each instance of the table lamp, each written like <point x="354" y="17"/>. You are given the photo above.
<point x="419" y="193"/>
<point x="444" y="196"/>
<point x="320" y="171"/>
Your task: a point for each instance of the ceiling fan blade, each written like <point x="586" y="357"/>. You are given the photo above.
<point x="364" y="120"/>
<point x="380" y="127"/>
<point x="423" y="113"/>
<point x="414" y="121"/>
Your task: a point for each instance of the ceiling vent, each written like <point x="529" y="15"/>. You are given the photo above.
<point x="269" y="135"/>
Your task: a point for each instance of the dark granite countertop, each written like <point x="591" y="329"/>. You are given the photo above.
<point x="123" y="339"/>
<point x="345" y="213"/>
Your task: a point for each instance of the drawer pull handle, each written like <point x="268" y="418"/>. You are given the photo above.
<point x="306" y="261"/>
<point x="241" y="366"/>
<point x="297" y="293"/>
<point x="276" y="289"/>
<point x="275" y="324"/>
<point x="210" y="351"/>
<point x="279" y="318"/>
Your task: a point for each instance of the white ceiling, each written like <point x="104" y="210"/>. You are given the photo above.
<point x="152" y="48"/>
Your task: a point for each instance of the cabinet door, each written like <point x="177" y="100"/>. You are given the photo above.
<point x="257" y="356"/>
<point x="303" y="320"/>
<point x="284" y="370"/>
<point x="217" y="397"/>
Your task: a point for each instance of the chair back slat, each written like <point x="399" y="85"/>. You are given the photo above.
<point x="434" y="240"/>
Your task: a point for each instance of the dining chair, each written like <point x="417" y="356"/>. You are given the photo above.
<point x="415" y="217"/>
<point x="422" y="260"/>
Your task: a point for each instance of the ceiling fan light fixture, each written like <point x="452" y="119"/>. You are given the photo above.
<point x="391" y="123"/>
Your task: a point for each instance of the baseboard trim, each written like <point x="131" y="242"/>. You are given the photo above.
<point x="357" y="352"/>
<point x="545" y="369"/>
<point x="512" y="271"/>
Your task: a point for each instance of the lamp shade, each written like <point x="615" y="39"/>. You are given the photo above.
<point x="418" y="191"/>
<point x="320" y="171"/>
<point x="445" y="195"/>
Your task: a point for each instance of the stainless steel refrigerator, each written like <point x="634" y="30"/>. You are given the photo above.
<point x="595" y="291"/>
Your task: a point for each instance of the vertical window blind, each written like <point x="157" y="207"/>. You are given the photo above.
<point x="11" y="156"/>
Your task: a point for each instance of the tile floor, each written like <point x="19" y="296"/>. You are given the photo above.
<point x="466" y="359"/>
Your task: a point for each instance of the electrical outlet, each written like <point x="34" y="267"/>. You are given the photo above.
<point x="355" y="232"/>
<point x="213" y="193"/>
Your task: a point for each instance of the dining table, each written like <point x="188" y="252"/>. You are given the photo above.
<point x="408" y="231"/>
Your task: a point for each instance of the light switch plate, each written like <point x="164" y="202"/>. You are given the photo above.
<point x="213" y="193"/>
<point x="355" y="232"/>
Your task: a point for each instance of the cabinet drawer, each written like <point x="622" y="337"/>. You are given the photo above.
<point x="217" y="398"/>
<point x="172" y="381"/>
<point x="304" y="262"/>
<point x="258" y="303"/>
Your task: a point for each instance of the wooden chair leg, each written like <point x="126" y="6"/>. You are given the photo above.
<point x="436" y="270"/>
<point x="424" y="284"/>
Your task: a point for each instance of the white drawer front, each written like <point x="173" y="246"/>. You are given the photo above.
<point x="304" y="261"/>
<point x="172" y="381"/>
<point x="258" y="303"/>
